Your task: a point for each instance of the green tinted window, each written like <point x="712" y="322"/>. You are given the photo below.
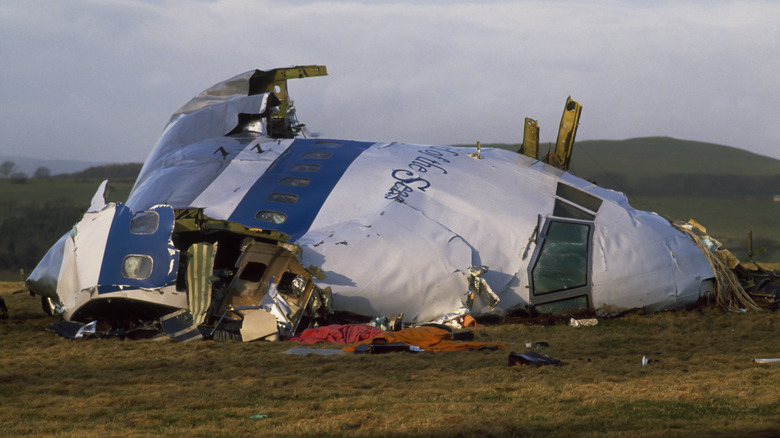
<point x="563" y="260"/>
<point x="563" y="307"/>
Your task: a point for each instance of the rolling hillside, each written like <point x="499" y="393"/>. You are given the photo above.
<point x="651" y="156"/>
<point x="663" y="166"/>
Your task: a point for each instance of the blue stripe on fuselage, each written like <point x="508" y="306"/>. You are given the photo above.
<point x="300" y="214"/>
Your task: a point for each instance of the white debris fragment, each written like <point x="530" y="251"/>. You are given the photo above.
<point x="583" y="322"/>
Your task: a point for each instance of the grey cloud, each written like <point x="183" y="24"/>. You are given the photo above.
<point x="100" y="79"/>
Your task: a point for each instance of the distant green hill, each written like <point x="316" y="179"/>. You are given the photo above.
<point x="663" y="166"/>
<point x="651" y="156"/>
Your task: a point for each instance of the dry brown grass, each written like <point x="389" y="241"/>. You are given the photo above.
<point x="704" y="383"/>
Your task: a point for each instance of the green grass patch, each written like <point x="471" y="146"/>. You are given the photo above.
<point x="78" y="192"/>
<point x="701" y="381"/>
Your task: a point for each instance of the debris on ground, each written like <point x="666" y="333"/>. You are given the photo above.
<point x="532" y="358"/>
<point x="583" y="322"/>
<point x="425" y="338"/>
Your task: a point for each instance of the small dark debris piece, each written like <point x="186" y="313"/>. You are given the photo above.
<point x="537" y="344"/>
<point x="384" y="348"/>
<point x="3" y="309"/>
<point x="463" y="336"/>
<point x="531" y="358"/>
<point x="66" y="329"/>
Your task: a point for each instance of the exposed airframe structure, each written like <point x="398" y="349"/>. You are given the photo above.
<point x="235" y="217"/>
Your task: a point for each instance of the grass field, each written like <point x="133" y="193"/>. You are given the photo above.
<point x="701" y="381"/>
<point x="79" y="192"/>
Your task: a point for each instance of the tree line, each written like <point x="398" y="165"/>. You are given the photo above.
<point x="8" y="169"/>
<point x="28" y="230"/>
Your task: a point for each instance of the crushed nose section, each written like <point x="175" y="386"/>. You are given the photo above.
<point x="733" y="286"/>
<point x="266" y="294"/>
<point x="111" y="256"/>
<point x="269" y="278"/>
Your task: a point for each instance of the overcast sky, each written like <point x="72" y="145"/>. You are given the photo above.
<point x="98" y="80"/>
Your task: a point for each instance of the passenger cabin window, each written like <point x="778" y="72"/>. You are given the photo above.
<point x="563" y="259"/>
<point x="137" y="267"/>
<point x="328" y="144"/>
<point x="273" y="217"/>
<point x="305" y="168"/>
<point x="283" y="198"/>
<point x="317" y="155"/>
<point x="253" y="272"/>
<point x="144" y="222"/>
<point x="294" y="182"/>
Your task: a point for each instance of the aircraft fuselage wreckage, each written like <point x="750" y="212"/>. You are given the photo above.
<point x="238" y="219"/>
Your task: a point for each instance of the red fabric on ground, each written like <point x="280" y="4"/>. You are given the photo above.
<point x="427" y="338"/>
<point x="337" y="333"/>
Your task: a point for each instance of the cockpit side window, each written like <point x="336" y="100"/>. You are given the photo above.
<point x="562" y="262"/>
<point x="144" y="222"/>
<point x="137" y="267"/>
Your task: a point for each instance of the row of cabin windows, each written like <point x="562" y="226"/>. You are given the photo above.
<point x="139" y="267"/>
<point x="276" y="217"/>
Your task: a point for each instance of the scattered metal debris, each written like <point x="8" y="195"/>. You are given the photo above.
<point x="532" y="358"/>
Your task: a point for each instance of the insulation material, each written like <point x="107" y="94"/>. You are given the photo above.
<point x="103" y="256"/>
<point x="200" y="265"/>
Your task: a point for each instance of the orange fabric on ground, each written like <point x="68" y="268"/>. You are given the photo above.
<point x="427" y="338"/>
